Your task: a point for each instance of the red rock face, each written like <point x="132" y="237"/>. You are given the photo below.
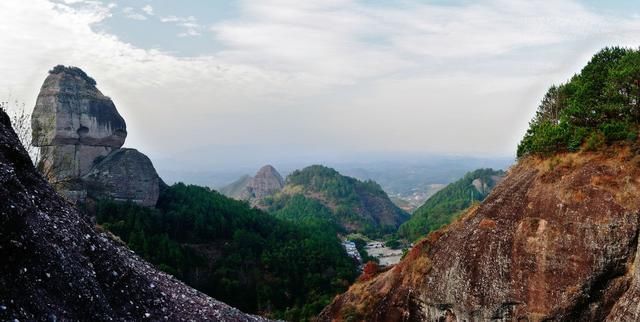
<point x="556" y="240"/>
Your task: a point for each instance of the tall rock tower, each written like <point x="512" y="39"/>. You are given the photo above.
<point x="79" y="130"/>
<point x="74" y="124"/>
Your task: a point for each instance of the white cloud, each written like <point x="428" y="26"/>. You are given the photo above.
<point x="148" y="9"/>
<point x="131" y="14"/>
<point x="189" y="24"/>
<point x="327" y="75"/>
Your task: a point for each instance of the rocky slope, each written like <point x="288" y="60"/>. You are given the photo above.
<point x="57" y="266"/>
<point x="80" y="132"/>
<point x="265" y="183"/>
<point x="557" y="240"/>
<point x="357" y="206"/>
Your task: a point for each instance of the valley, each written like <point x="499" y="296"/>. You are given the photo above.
<point x="386" y="255"/>
<point x="319" y="161"/>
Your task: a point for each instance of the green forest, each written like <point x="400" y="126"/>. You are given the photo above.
<point x="346" y="204"/>
<point x="597" y="107"/>
<point x="445" y="205"/>
<point x="257" y="262"/>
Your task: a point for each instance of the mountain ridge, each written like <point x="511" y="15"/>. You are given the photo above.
<point x="356" y="206"/>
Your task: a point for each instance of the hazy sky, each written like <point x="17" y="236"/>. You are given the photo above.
<point x="228" y="81"/>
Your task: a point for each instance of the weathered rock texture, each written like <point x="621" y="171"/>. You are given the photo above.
<point x="80" y="133"/>
<point x="557" y="240"/>
<point x="56" y="266"/>
<point x="74" y="122"/>
<point x="124" y="175"/>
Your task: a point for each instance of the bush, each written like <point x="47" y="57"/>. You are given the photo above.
<point x="617" y="131"/>
<point x="595" y="141"/>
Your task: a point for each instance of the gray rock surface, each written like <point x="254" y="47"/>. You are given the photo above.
<point x="80" y="132"/>
<point x="56" y="266"/>
<point x="125" y="175"/>
<point x="74" y="122"/>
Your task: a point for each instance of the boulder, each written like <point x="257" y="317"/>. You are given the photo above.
<point x="124" y="175"/>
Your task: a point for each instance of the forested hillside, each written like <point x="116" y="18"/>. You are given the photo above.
<point x="242" y="256"/>
<point x="448" y="203"/>
<point x="598" y="106"/>
<point x="321" y="193"/>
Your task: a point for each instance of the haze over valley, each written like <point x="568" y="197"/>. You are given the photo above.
<point x="339" y="160"/>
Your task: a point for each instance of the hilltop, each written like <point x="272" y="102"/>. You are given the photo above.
<point x="353" y="205"/>
<point x="266" y="182"/>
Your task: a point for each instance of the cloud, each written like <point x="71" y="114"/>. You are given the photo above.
<point x="148" y="9"/>
<point x="189" y="24"/>
<point x="131" y="14"/>
<point x="335" y="75"/>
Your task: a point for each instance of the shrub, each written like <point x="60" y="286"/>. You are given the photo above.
<point x="595" y="141"/>
<point x="616" y="131"/>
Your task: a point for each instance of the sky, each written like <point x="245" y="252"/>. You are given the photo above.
<point x="204" y="84"/>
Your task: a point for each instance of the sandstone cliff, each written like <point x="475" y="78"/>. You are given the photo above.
<point x="80" y="132"/>
<point x="56" y="266"/>
<point x="557" y="240"/>
<point x="74" y="122"/>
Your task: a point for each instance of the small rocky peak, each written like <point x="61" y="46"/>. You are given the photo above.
<point x="268" y="172"/>
<point x="265" y="183"/>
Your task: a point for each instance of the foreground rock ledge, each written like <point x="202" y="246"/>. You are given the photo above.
<point x="557" y="240"/>
<point x="56" y="266"/>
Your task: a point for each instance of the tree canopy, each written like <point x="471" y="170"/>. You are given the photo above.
<point x="240" y="255"/>
<point x="598" y="106"/>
